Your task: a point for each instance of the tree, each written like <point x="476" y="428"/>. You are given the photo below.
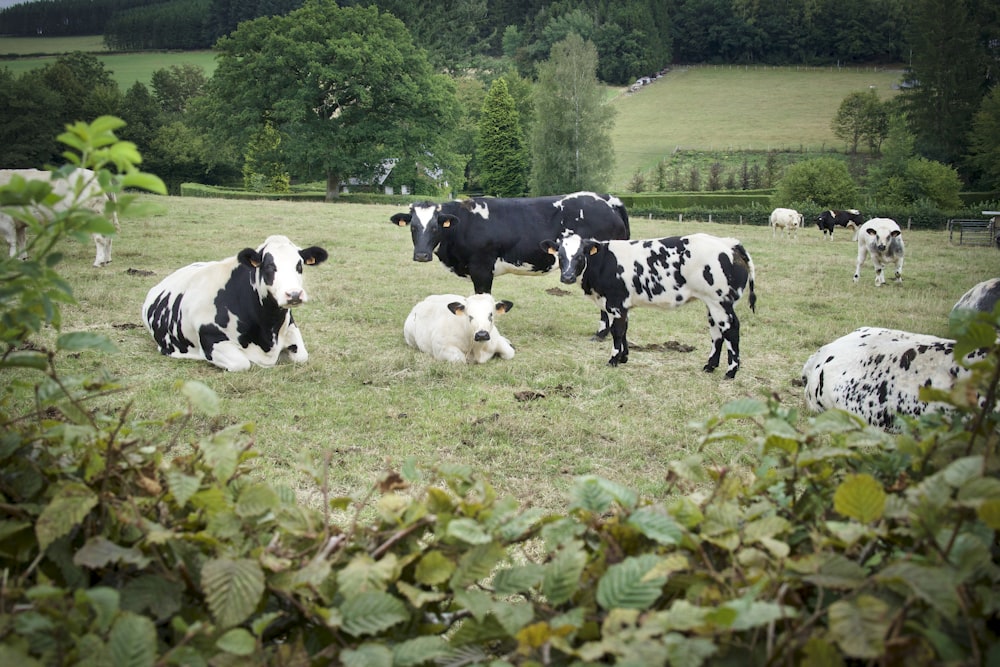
<point x="176" y="85"/>
<point x="345" y="87"/>
<point x="823" y="182"/>
<point x="903" y="178"/>
<point x="503" y="161"/>
<point x="984" y="140"/>
<point x="571" y="143"/>
<point x="861" y="116"/>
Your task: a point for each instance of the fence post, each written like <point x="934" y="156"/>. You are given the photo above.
<point x="710" y="217"/>
<point x="680" y="217"/>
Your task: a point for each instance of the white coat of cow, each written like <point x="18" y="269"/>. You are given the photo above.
<point x="236" y="311"/>
<point x="983" y="296"/>
<point x="80" y="187"/>
<point x="877" y="373"/>
<point x="788" y="219"/>
<point x="460" y="329"/>
<point x="882" y="240"/>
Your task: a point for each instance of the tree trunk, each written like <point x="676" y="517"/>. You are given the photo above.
<point x="332" y="186"/>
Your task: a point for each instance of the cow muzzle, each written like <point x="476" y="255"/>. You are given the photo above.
<point x="482" y="336"/>
<point x="296" y="298"/>
<point x="421" y="257"/>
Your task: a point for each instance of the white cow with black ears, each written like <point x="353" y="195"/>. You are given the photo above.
<point x="460" y="329"/>
<point x="882" y="240"/>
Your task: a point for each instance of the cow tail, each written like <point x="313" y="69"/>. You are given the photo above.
<point x="740" y="253"/>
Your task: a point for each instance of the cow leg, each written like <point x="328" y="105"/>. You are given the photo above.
<point x="619" y="331"/>
<point x="732" y="338"/>
<point x="230" y="356"/>
<point x="603" y="327"/>
<point x="862" y="255"/>
<point x="879" y="273"/>
<point x="899" y="270"/>
<point x="293" y="347"/>
<point x="482" y="281"/>
<point x="103" y="245"/>
<point x="716" y="327"/>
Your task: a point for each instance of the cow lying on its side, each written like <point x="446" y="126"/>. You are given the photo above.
<point x="983" y="296"/>
<point x="236" y="311"/>
<point x="665" y="273"/>
<point x="881" y="239"/>
<point x="454" y="328"/>
<point x="877" y="373"/>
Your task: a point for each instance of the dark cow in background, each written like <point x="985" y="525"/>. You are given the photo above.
<point x="827" y="220"/>
<point x="665" y="273"/>
<point x="877" y="374"/>
<point x="234" y="312"/>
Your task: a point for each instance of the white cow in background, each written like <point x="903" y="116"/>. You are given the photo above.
<point x="454" y="328"/>
<point x="91" y="196"/>
<point x="786" y="218"/>
<point x="880" y="238"/>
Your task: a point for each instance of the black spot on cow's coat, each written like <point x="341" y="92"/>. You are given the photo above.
<point x="907" y="358"/>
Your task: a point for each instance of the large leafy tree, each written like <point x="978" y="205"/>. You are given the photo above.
<point x="571" y="143"/>
<point x="821" y="181"/>
<point x="345" y="87"/>
<point x="861" y="116"/>
<point x="503" y="161"/>
<point x="984" y="142"/>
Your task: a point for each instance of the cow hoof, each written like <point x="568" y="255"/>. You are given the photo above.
<point x="731" y="374"/>
<point x="709" y="368"/>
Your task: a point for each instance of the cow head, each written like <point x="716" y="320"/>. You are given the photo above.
<point x="276" y="269"/>
<point x="572" y="252"/>
<point x="882" y="234"/>
<point x="426" y="222"/>
<point x="479" y="309"/>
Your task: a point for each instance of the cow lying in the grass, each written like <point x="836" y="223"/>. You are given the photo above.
<point x="877" y="373"/>
<point x="454" y="328"/>
<point x="882" y="240"/>
<point x="827" y="220"/>
<point x="79" y="187"/>
<point x="664" y="273"/>
<point x="983" y="297"/>
<point x="234" y="312"/>
<point x="787" y="219"/>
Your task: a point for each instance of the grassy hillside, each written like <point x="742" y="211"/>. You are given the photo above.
<point x="731" y="109"/>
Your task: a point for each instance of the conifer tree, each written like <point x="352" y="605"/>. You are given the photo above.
<point x="503" y="160"/>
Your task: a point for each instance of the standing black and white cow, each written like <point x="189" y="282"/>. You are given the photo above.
<point x="877" y="374"/>
<point x="665" y="273"/>
<point x="827" y="220"/>
<point x="234" y="312"/>
<point x="882" y="240"/>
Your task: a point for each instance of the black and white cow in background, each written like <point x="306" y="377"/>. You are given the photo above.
<point x="665" y="273"/>
<point x="234" y="312"/>
<point x="877" y="373"/>
<point x="827" y="220"/>
<point x="983" y="296"/>
<point x="484" y="237"/>
<point x="882" y="240"/>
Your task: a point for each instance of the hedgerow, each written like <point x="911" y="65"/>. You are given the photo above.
<point x="121" y="545"/>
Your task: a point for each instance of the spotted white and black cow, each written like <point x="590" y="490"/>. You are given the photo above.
<point x="484" y="237"/>
<point x="460" y="329"/>
<point x="827" y="220"/>
<point x="72" y="187"/>
<point x="665" y="273"/>
<point x="983" y="297"/>
<point x="787" y="219"/>
<point x="877" y="374"/>
<point x="882" y="240"/>
<point x="236" y="311"/>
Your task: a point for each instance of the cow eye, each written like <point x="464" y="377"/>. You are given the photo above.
<point x="298" y="267"/>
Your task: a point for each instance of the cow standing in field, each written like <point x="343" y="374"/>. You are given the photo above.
<point x="882" y="240"/>
<point x="665" y="273"/>
<point x="234" y="312"/>
<point x="787" y="219"/>
<point x="483" y="237"/>
<point x="827" y="220"/>
<point x="460" y="329"/>
<point x="77" y="187"/>
<point x="983" y="297"/>
<point x="877" y="373"/>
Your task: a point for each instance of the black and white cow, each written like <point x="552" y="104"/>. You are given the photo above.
<point x="665" y="273"/>
<point x="877" y="374"/>
<point x="983" y="297"/>
<point x="483" y="237"/>
<point x="827" y="220"/>
<point x="882" y="240"/>
<point x="234" y="312"/>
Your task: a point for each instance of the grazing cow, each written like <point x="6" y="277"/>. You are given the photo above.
<point x="877" y="373"/>
<point x="235" y="311"/>
<point x="482" y="237"/>
<point x="882" y="239"/>
<point x="664" y="273"/>
<point x="787" y="219"/>
<point x="80" y="187"/>
<point x="827" y="220"/>
<point x="983" y="297"/>
<point x="453" y="328"/>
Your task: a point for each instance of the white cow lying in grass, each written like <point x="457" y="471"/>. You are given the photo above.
<point x="454" y="328"/>
<point x="787" y="219"/>
<point x="882" y="239"/>
<point x="90" y="196"/>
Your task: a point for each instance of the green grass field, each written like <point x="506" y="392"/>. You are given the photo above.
<point x="533" y="423"/>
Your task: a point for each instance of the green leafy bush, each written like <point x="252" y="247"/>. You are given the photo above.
<point x="121" y="545"/>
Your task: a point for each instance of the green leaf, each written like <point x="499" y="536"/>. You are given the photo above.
<point x="132" y="642"/>
<point x="468" y="531"/>
<point x="859" y="626"/>
<point x="434" y="568"/>
<point x="989" y="513"/>
<point x="518" y="579"/>
<point x="25" y="359"/>
<point x="256" y="500"/>
<point x="631" y="584"/>
<point x="159" y="595"/>
<point x="14" y="655"/>
<point x="860" y="497"/>
<point x="238" y="642"/>
<point x="80" y="340"/>
<point x="143" y="181"/>
<point x="757" y="613"/>
<point x="595" y="494"/>
<point x="182" y="485"/>
<point x="419" y="651"/>
<point x="105" y="602"/>
<point x="367" y="655"/>
<point x="657" y="525"/>
<point x="962" y="470"/>
<point x="201" y="397"/>
<point x="744" y="408"/>
<point x="71" y="503"/>
<point x="935" y="585"/>
<point x="477" y="564"/>
<point x="99" y="552"/>
<point x="562" y="573"/>
<point x="371" y="613"/>
<point x="233" y="589"/>
<point x="363" y="573"/>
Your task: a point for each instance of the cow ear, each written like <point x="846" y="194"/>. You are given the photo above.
<point x="249" y="257"/>
<point x="504" y="306"/>
<point x="456" y="307"/>
<point x="895" y="232"/>
<point x="446" y="221"/>
<point x="871" y="232"/>
<point x="313" y="255"/>
<point x="401" y="219"/>
<point x="550" y="247"/>
<point x="591" y="248"/>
